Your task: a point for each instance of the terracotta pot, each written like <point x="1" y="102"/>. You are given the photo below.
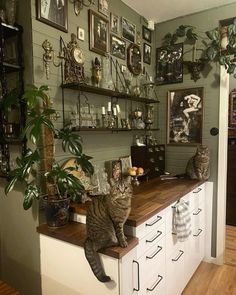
<point x="57" y="212"/>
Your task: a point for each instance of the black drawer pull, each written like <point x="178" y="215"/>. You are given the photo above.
<point x="134" y="289"/>
<point x="198" y="211"/>
<point x="159" y="233"/>
<point x="178" y="257"/>
<point x="159" y="248"/>
<point x="154" y="222"/>
<point x="157" y="283"/>
<point x="199" y="232"/>
<point x="199" y="189"/>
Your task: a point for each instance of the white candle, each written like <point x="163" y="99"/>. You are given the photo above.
<point x="109" y="107"/>
<point x="118" y="108"/>
<point x="150" y="78"/>
<point x="114" y="112"/>
<point x="103" y="111"/>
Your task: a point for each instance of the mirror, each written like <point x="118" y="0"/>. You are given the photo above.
<point x="134" y="59"/>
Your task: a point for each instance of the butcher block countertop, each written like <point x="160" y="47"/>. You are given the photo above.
<point x="149" y="198"/>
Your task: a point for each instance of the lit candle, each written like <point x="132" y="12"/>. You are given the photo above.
<point x="118" y="108"/>
<point x="109" y="107"/>
<point x="103" y="111"/>
<point x="114" y="111"/>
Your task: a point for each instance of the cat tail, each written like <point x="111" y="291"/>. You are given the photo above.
<point x="95" y="262"/>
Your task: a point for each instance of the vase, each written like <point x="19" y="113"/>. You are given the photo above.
<point x="11" y="12"/>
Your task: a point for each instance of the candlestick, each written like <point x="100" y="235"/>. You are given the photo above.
<point x="114" y="111"/>
<point x="103" y="111"/>
<point x="118" y="108"/>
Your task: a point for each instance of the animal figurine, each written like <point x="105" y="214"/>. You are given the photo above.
<point x="106" y="216"/>
<point x="198" y="165"/>
<point x="96" y="72"/>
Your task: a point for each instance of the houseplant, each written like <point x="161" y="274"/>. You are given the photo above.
<point x="38" y="169"/>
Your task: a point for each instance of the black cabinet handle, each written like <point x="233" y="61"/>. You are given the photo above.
<point x="178" y="257"/>
<point x="159" y="248"/>
<point x="199" y="232"/>
<point x="199" y="189"/>
<point x="198" y="211"/>
<point x="158" y="235"/>
<point x="134" y="289"/>
<point x="154" y="222"/>
<point x="157" y="283"/>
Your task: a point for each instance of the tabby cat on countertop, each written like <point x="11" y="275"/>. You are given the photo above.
<point x="198" y="165"/>
<point x="105" y="219"/>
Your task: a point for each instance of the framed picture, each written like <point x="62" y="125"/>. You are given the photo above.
<point x="125" y="164"/>
<point x="185" y="116"/>
<point x="147" y="53"/>
<point x="116" y="170"/>
<point x="147" y="34"/>
<point x="118" y="47"/>
<point x="103" y="7"/>
<point x="128" y="30"/>
<point x="80" y="34"/>
<point x="232" y="108"/>
<point x="53" y="13"/>
<point x="169" y="64"/>
<point x="98" y="33"/>
<point x="114" y="23"/>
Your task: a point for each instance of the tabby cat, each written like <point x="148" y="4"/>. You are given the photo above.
<point x="106" y="216"/>
<point x="198" y="165"/>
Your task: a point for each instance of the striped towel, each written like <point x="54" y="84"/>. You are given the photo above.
<point x="181" y="220"/>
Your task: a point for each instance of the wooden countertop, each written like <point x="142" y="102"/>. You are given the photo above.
<point x="75" y="233"/>
<point x="151" y="197"/>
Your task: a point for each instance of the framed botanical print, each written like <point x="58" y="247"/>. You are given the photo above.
<point x="53" y="13"/>
<point x="98" y="33"/>
<point x="185" y="116"/>
<point x="128" y="30"/>
<point x="169" y="64"/>
<point x="147" y="34"/>
<point x="118" y="47"/>
<point x="147" y="53"/>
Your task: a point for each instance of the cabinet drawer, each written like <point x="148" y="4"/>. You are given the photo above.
<point x="197" y="197"/>
<point x="157" y="285"/>
<point x="152" y="261"/>
<point x="150" y="239"/>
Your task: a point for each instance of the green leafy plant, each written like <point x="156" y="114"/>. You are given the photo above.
<point x="38" y="165"/>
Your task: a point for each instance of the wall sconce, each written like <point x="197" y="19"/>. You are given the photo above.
<point x="79" y="4"/>
<point x="48" y="57"/>
<point x="196" y="66"/>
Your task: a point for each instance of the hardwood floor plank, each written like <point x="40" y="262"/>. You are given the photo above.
<point x="230" y="245"/>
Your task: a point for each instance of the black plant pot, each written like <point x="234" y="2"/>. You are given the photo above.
<point x="57" y="212"/>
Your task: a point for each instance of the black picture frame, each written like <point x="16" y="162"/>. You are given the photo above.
<point x="98" y="33"/>
<point x="118" y="47"/>
<point x="128" y="30"/>
<point x="185" y="116"/>
<point x="53" y="15"/>
<point x="169" y="64"/>
<point x="147" y="34"/>
<point x="147" y="53"/>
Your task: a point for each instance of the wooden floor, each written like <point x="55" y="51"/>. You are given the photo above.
<point x="212" y="279"/>
<point x="230" y="245"/>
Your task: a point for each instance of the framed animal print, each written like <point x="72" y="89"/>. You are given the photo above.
<point x="185" y="116"/>
<point x="147" y="34"/>
<point x="98" y="33"/>
<point x="128" y="30"/>
<point x="53" y="13"/>
<point x="118" y="47"/>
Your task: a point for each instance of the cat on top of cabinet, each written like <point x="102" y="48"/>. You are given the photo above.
<point x="198" y="165"/>
<point x="105" y="219"/>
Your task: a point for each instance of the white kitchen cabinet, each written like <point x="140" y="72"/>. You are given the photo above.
<point x="158" y="265"/>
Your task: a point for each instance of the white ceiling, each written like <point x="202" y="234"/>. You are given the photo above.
<point x="162" y="10"/>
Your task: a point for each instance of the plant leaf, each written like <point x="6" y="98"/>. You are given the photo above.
<point x="32" y="192"/>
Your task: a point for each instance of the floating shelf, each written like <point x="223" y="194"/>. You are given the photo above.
<point x="10" y="68"/>
<point x="107" y="92"/>
<point x="74" y="129"/>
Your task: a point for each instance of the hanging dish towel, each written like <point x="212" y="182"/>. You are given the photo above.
<point x="182" y="220"/>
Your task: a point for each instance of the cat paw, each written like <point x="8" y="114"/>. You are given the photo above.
<point x="123" y="244"/>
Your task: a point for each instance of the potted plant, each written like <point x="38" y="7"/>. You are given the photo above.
<point x="38" y="169"/>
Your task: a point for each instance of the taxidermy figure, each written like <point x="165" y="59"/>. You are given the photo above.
<point x="198" y="165"/>
<point x="106" y="216"/>
<point x="96" y="72"/>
